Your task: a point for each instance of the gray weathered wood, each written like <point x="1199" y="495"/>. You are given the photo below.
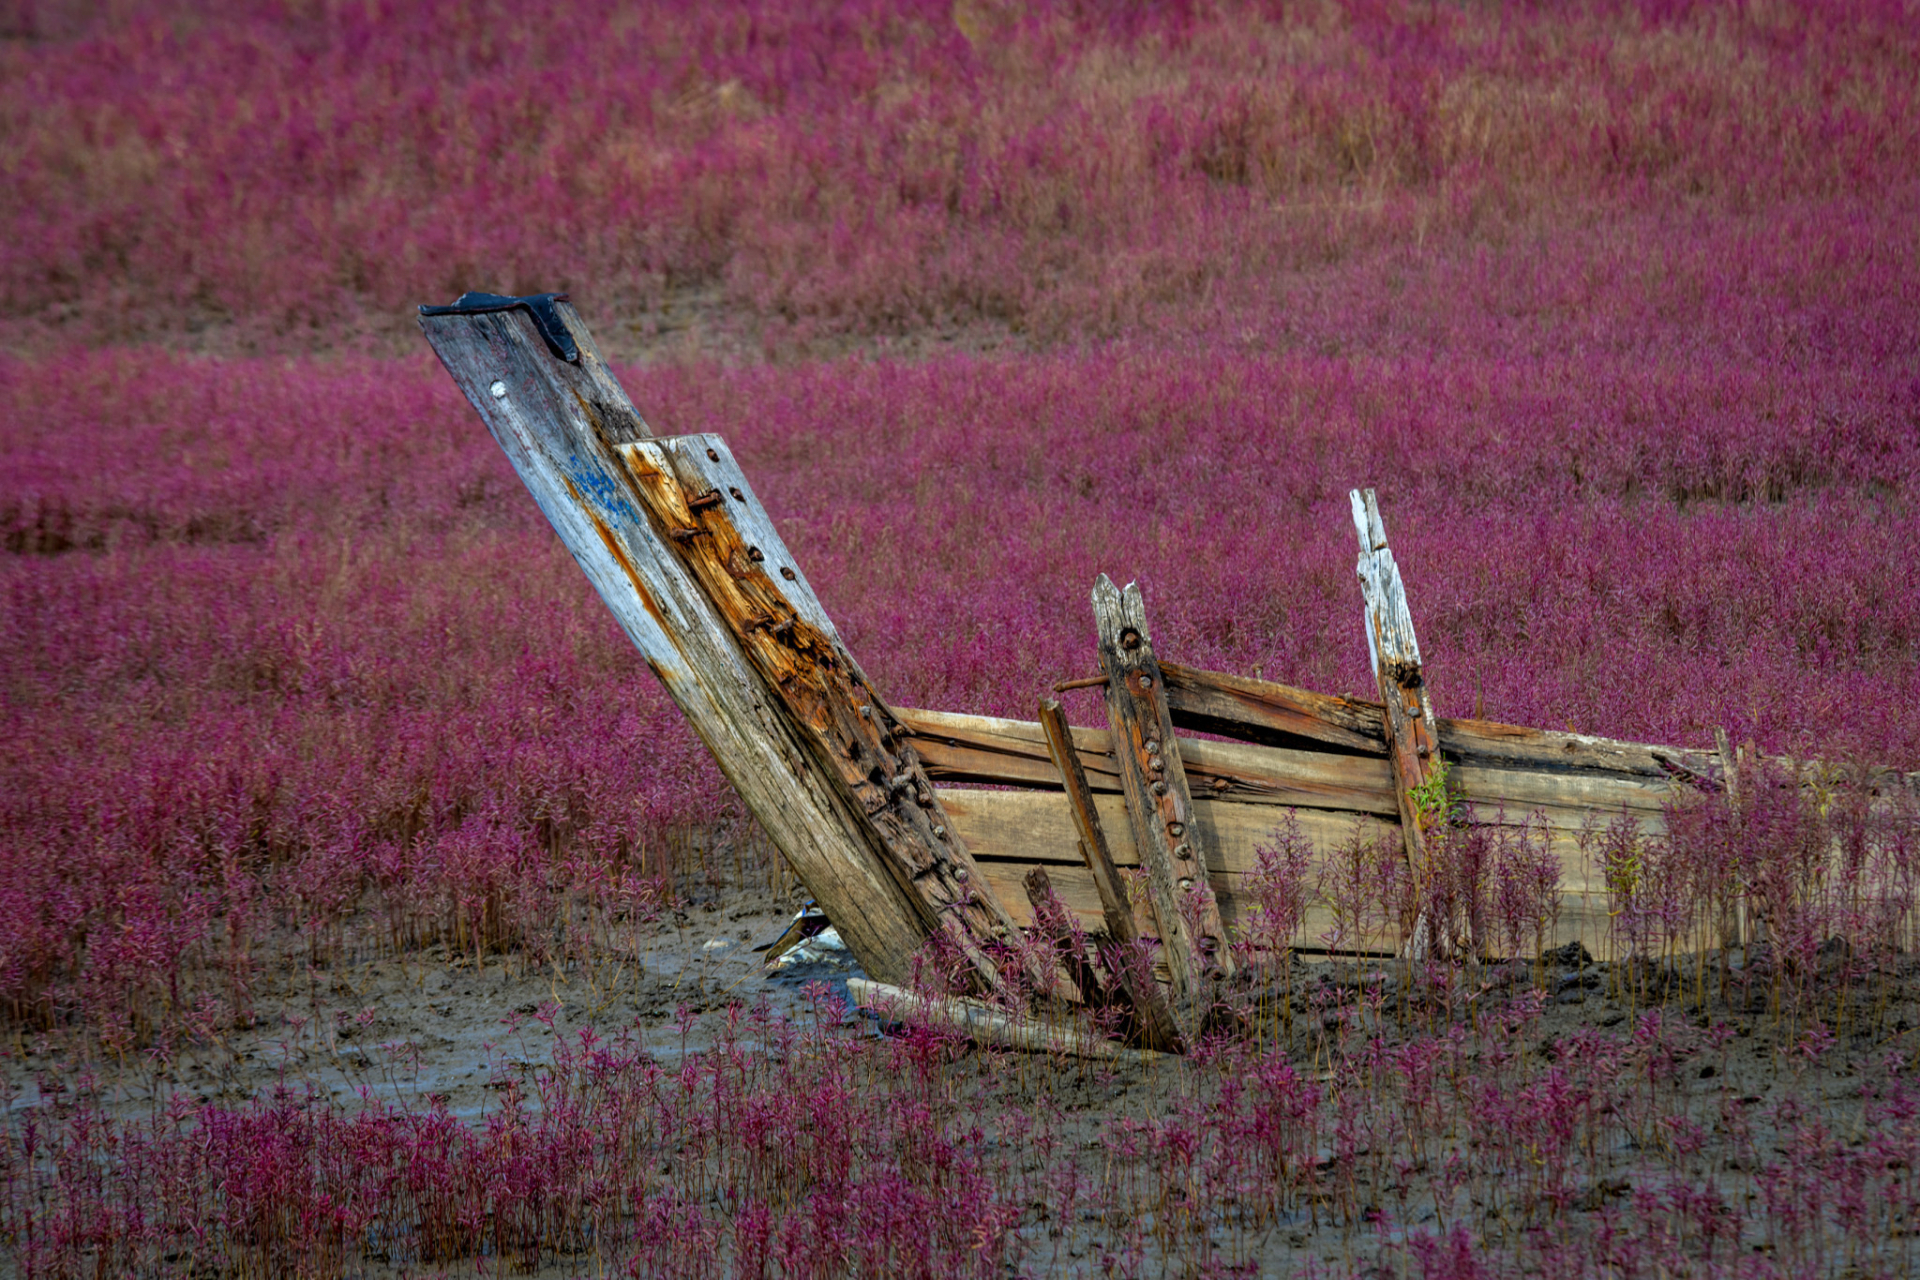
<point x="1159" y="805"/>
<point x="1261" y="711"/>
<point x="1152" y="1018"/>
<point x="559" y="425"/>
<point x="1408" y="708"/>
<point x="990" y="1025"/>
<point x="988" y="749"/>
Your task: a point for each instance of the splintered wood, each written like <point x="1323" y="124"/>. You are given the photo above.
<point x="1127" y="850"/>
<point x="572" y="435"/>
<point x="1403" y="693"/>
<point x="699" y="502"/>
<point x="1159" y="805"/>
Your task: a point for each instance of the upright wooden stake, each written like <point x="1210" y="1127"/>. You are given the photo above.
<point x="1135" y="978"/>
<point x="531" y="370"/>
<point x="1159" y="804"/>
<point x="1408" y="716"/>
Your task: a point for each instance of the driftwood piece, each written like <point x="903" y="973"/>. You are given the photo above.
<point x="1395" y="655"/>
<point x="985" y="1024"/>
<point x="700" y="505"/>
<point x="1152" y="1019"/>
<point x="559" y="423"/>
<point x="1159" y="806"/>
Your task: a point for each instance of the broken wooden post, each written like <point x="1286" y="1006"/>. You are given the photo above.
<point x="1159" y="806"/>
<point x="531" y="370"/>
<point x="699" y="502"/>
<point x="1408" y="713"/>
<point x="1131" y="974"/>
<point x="1054" y="924"/>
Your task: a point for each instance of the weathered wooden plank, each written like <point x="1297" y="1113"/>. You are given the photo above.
<point x="1584" y="915"/>
<point x="1273" y="714"/>
<point x="1486" y="742"/>
<point x="991" y="1025"/>
<point x="701" y="507"/>
<point x="1159" y="805"/>
<point x="1277" y="714"/>
<point x="1040" y="826"/>
<point x="1153" y="1020"/>
<point x="986" y="749"/>
<point x="558" y="423"/>
<point x="1395" y="658"/>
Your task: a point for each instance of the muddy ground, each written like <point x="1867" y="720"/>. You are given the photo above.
<point x="403" y="1029"/>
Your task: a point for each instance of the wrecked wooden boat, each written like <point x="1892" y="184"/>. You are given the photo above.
<point x="915" y="825"/>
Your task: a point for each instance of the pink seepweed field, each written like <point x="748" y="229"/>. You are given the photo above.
<point x="325" y="767"/>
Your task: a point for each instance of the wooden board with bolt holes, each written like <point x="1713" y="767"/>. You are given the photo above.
<point x="561" y="425"/>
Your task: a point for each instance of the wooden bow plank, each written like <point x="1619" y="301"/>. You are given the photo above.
<point x="1154" y="1021"/>
<point x="700" y="504"/>
<point x="1159" y="805"/>
<point x="559" y="424"/>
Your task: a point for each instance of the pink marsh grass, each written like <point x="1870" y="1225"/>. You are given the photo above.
<point x="1617" y="305"/>
<point x="1049" y="171"/>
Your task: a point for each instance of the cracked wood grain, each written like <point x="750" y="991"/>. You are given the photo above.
<point x="559" y="425"/>
<point x="1159" y="804"/>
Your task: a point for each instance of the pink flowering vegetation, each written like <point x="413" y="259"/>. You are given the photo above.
<point x="1512" y="1143"/>
<point x="290" y="657"/>
<point x="1614" y="304"/>
<point x="1046" y="171"/>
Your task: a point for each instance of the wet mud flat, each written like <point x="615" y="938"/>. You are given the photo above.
<point x="1358" y="1111"/>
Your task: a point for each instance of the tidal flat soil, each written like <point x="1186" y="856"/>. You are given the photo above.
<point x="1683" y="1074"/>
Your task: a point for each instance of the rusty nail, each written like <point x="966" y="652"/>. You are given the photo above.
<point x="499" y="390"/>
<point x="686" y="535"/>
<point x="711" y="498"/>
<point x="1087" y="682"/>
<point x="754" y="554"/>
<point x="714" y="454"/>
<point x="1221" y="784"/>
<point x="1159" y="788"/>
<point x="786" y="573"/>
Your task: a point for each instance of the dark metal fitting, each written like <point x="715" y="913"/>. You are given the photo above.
<point x="711" y="498"/>
<point x="540" y="306"/>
